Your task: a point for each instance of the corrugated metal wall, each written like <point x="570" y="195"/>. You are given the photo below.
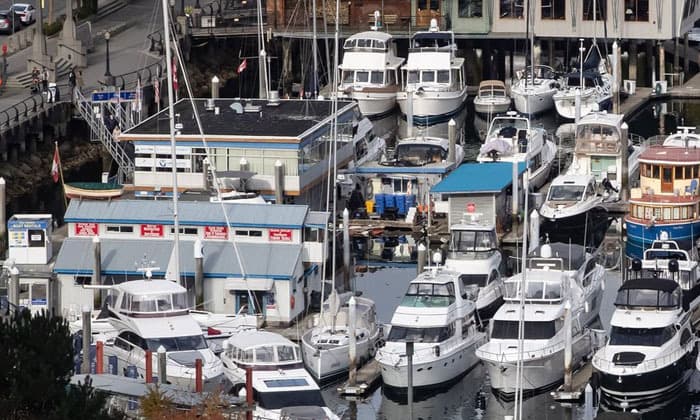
<point x="485" y="204"/>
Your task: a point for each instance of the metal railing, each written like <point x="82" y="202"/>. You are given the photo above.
<point x="647" y="365"/>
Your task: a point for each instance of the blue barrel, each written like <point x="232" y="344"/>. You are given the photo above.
<point x="131" y="372"/>
<point x="401" y="203"/>
<point x="379" y="203"/>
<point x="389" y="201"/>
<point x="112" y="365"/>
<point x="410" y="201"/>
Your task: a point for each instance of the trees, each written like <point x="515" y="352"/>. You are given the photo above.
<point x="36" y="363"/>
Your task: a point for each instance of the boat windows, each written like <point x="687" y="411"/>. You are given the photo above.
<point x="377" y="77"/>
<point x="473" y="279"/>
<point x="427" y="76"/>
<point x="652" y="337"/>
<point x="443" y="76"/>
<point x="470" y="241"/>
<point x="348" y="77"/>
<point x="265" y="354"/>
<point x="186" y="343"/>
<point x="281" y="399"/>
<point x="648" y="298"/>
<point x="420" y="154"/>
<point x="566" y="192"/>
<point x="536" y="290"/>
<point x="533" y="330"/>
<point x="421" y="335"/>
<point x="362" y="76"/>
<point x="426" y="295"/>
<point x="413" y="76"/>
<point x="286" y="353"/>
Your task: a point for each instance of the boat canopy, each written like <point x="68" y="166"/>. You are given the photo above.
<point x="649" y="293"/>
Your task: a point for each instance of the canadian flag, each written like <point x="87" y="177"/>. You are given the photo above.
<point x="242" y="66"/>
<point x="55" y="165"/>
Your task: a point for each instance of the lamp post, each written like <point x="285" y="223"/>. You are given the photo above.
<point x="109" y="79"/>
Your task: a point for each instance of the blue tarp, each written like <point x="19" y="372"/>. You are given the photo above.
<point x="478" y="178"/>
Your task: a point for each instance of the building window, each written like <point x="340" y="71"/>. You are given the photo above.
<point x="185" y="231"/>
<point x="83" y="280"/>
<point x="553" y="9"/>
<point x="120" y="229"/>
<point x="637" y="10"/>
<point x="601" y="8"/>
<point x="470" y="8"/>
<point x="241" y="233"/>
<point x="255" y="233"/>
<point x="433" y="4"/>
<point x="511" y="9"/>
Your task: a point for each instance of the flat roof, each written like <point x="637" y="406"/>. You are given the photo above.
<point x="670" y="154"/>
<point x="288" y="118"/>
<point x="471" y="178"/>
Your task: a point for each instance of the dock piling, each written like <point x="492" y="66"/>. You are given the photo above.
<point x="198" y="386"/>
<point x="198" y="273"/>
<point x="352" y="320"/>
<point x="249" y="393"/>
<point x="577" y="105"/>
<point x="409" y="112"/>
<point x="346" y="249"/>
<point x="617" y="64"/>
<point x="13" y="292"/>
<point x="279" y="182"/>
<point x="588" y="403"/>
<point x="409" y="370"/>
<point x="149" y="367"/>
<point x="3" y="212"/>
<point x="624" y="176"/>
<point x="87" y="335"/>
<point x="568" y="351"/>
<point x="99" y="357"/>
<point x="215" y="87"/>
<point x="452" y="137"/>
<point x="162" y="365"/>
<point x="422" y="257"/>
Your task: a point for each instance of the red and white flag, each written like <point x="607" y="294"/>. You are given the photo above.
<point x="55" y="165"/>
<point x="175" y="84"/>
<point x="242" y="66"/>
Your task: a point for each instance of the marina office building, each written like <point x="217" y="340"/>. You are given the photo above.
<point x="271" y="253"/>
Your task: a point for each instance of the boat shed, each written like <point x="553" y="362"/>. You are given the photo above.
<point x="484" y="188"/>
<point x="267" y="253"/>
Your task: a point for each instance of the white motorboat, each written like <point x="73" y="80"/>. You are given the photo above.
<point x="280" y="381"/>
<point x="593" y="83"/>
<point x="370" y="72"/>
<point x="473" y="252"/>
<point x="512" y="138"/>
<point x="492" y="98"/>
<point x="433" y="87"/>
<point x="437" y="314"/>
<point x="148" y="314"/>
<point x="651" y="351"/>
<point x="368" y="146"/>
<point x="534" y="90"/>
<point x="563" y="290"/>
<point x="325" y="347"/>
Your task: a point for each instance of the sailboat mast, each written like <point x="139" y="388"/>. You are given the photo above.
<point x="531" y="23"/>
<point x="527" y="35"/>
<point x="173" y="144"/>
<point x="263" y="87"/>
<point x="314" y="48"/>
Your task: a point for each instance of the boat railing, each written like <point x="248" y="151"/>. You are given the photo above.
<point x="397" y="356"/>
<point x="504" y="353"/>
<point x="657" y="140"/>
<point x="647" y="365"/>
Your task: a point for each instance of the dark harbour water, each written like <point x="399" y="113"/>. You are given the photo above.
<point x="471" y="398"/>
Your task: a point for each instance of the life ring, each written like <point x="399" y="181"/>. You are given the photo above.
<point x="292" y="301"/>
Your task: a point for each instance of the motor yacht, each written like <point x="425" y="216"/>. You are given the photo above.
<point x="148" y="314"/>
<point x="563" y="289"/>
<point x="325" y="347"/>
<point x="534" y="90"/>
<point x="433" y="87"/>
<point x="492" y="98"/>
<point x="279" y="378"/>
<point x="652" y="347"/>
<point x="512" y="138"/>
<point x="438" y="315"/>
<point x="593" y="83"/>
<point x="370" y="72"/>
<point x="473" y="253"/>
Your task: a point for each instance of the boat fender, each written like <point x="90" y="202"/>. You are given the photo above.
<point x="292" y="301"/>
<point x="437" y="351"/>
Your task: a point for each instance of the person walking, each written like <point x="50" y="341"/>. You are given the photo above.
<point x="72" y="81"/>
<point x="35" y="79"/>
<point x="45" y="79"/>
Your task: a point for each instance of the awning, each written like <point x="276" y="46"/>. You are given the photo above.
<point x="263" y="285"/>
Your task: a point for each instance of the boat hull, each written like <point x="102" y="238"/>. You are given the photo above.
<point x="490" y="107"/>
<point x="324" y="365"/>
<point x="641" y="235"/>
<point x="374" y="104"/>
<point x="585" y="228"/>
<point x="433" y="107"/>
<point x="531" y="103"/>
<point x="566" y="104"/>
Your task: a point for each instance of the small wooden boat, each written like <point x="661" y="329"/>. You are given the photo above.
<point x="492" y="98"/>
<point x="93" y="190"/>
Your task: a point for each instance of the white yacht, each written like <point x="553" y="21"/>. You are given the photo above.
<point x="533" y="91"/>
<point x="433" y="87"/>
<point x="558" y="276"/>
<point x="325" y="347"/>
<point x="652" y="346"/>
<point x="593" y="82"/>
<point x="370" y="72"/>
<point x="492" y="98"/>
<point x="437" y="314"/>
<point x="473" y="252"/>
<point x="147" y="314"/>
<point x="512" y="138"/>
<point x="280" y="381"/>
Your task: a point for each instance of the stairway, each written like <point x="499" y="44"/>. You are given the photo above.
<point x="24" y="80"/>
<point x="100" y="133"/>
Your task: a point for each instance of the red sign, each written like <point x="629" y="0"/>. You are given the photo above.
<point x="471" y="207"/>
<point x="152" y="231"/>
<point x="280" y="235"/>
<point x="86" y="229"/>
<point x="215" y="232"/>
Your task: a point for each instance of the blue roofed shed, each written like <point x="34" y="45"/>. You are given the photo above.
<point x="486" y="185"/>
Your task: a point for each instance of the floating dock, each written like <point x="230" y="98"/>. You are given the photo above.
<point x="579" y="381"/>
<point x="366" y="380"/>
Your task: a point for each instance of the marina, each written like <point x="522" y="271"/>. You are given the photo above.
<point x="359" y="210"/>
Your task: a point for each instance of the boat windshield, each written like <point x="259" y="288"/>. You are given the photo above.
<point x="192" y="342"/>
<point x="474" y="279"/>
<point x="427" y="295"/>
<point x="166" y="302"/>
<point x="652" y="337"/>
<point x="536" y="290"/>
<point x="420" y="154"/>
<point x="507" y="127"/>
<point x="277" y="400"/>
<point x="566" y="192"/>
<point x="645" y="298"/>
<point x="533" y="330"/>
<point x="420" y="335"/>
<point x="472" y="240"/>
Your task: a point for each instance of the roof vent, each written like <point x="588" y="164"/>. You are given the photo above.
<point x="209" y="106"/>
<point x="249" y="107"/>
<point x="236" y="106"/>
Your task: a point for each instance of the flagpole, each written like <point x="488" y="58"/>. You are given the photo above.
<point x="60" y="172"/>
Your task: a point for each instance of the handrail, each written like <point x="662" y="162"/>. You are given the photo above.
<point x="72" y="49"/>
<point x="646" y="365"/>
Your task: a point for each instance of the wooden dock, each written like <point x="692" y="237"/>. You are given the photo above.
<point x="579" y="381"/>
<point x="367" y="379"/>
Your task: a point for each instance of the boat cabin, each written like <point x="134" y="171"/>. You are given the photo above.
<point x="369" y="60"/>
<point x="599" y="144"/>
<point x="569" y="189"/>
<point x="649" y="293"/>
<point x="492" y="89"/>
<point x="513" y="131"/>
<point x="149" y="299"/>
<point x="472" y="240"/>
<point x="419" y="152"/>
<point x="432" y="63"/>
<point x="262" y="350"/>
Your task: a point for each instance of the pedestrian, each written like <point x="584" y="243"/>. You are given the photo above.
<point x="35" y="79"/>
<point x="71" y="82"/>
<point x="45" y="80"/>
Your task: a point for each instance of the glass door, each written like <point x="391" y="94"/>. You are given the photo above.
<point x="667" y="179"/>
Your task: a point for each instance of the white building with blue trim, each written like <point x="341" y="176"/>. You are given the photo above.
<point x="270" y="254"/>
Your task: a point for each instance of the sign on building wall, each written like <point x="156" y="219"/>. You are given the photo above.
<point x="280" y="235"/>
<point x="215" y="232"/>
<point x="86" y="229"/>
<point x="152" y="231"/>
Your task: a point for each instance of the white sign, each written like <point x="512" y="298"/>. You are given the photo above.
<point x="162" y="163"/>
<point x="162" y="150"/>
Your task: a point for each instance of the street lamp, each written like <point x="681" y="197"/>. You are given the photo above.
<point x="109" y="79"/>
